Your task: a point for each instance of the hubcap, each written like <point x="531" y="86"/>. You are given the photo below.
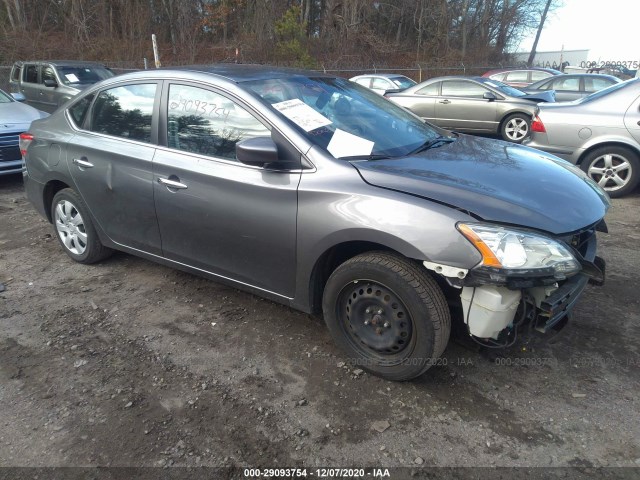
<point x="374" y="318"/>
<point x="70" y="227"/>
<point x="611" y="171"/>
<point x="516" y="129"/>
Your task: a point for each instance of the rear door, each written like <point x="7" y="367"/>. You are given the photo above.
<point x="461" y="106"/>
<point x="30" y="86"/>
<point x="421" y="102"/>
<point x="566" y="88"/>
<point x="110" y="160"/>
<point x="216" y="214"/>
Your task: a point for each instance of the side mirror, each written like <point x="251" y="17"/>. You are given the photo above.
<point x="18" y="97"/>
<point x="257" y="151"/>
<point x="50" y="83"/>
<point x="489" y="96"/>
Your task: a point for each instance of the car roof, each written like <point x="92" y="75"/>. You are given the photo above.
<point x="247" y="72"/>
<point x="60" y="63"/>
<point x="511" y="69"/>
<point x="380" y="75"/>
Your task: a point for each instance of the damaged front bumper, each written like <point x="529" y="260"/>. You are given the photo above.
<point x="496" y="304"/>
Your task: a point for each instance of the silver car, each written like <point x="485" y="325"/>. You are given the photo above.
<point x="15" y="118"/>
<point x="48" y="84"/>
<point x="600" y="133"/>
<point x="571" y="87"/>
<point x="474" y="105"/>
<point x="383" y="83"/>
<point x="317" y="193"/>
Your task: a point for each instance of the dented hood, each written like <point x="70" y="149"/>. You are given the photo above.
<point x="496" y="181"/>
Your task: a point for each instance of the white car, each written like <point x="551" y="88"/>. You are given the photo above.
<point x="384" y="82"/>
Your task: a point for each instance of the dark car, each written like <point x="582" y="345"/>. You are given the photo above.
<point x="473" y="105"/>
<point x="521" y="77"/>
<point x="571" y="87"/>
<point x="48" y="84"/>
<point x="315" y="192"/>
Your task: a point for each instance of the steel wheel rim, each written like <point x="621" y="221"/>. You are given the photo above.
<point x="70" y="227"/>
<point x="376" y="322"/>
<point x="516" y="129"/>
<point x="611" y="171"/>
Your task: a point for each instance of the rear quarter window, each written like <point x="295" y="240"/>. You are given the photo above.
<point x="78" y="111"/>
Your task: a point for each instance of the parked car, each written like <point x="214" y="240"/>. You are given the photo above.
<point x="15" y="118"/>
<point x="474" y="105"/>
<point x="574" y="86"/>
<point x="384" y="82"/>
<point x="600" y="133"/>
<point x="48" y="84"/>
<point x="521" y="77"/>
<point x="315" y="192"/>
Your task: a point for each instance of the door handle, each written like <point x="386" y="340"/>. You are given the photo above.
<point x="172" y="184"/>
<point x="82" y="163"/>
<point x="446" y="102"/>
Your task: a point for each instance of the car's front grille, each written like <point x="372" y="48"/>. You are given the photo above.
<point x="9" y="148"/>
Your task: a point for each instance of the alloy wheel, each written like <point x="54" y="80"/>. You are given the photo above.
<point x="611" y="171"/>
<point x="516" y="129"/>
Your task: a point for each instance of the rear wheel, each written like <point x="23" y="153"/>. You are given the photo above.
<point x="615" y="169"/>
<point x="74" y="228"/>
<point x="387" y="314"/>
<point x="515" y="128"/>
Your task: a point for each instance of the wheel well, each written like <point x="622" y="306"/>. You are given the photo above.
<point x="606" y="144"/>
<point x="329" y="261"/>
<point x="50" y="191"/>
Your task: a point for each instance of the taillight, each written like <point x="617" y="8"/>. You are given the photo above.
<point x="24" y="142"/>
<point x="537" y="125"/>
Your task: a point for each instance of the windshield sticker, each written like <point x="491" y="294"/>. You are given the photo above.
<point x="344" y="144"/>
<point x="72" y="77"/>
<point x="302" y="114"/>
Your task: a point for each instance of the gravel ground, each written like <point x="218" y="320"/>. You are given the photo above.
<point x="129" y="363"/>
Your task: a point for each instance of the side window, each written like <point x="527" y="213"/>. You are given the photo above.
<point x="498" y="76"/>
<point x="518" y="76"/>
<point x="565" y="84"/>
<point x="458" y="88"/>
<point x="15" y="74"/>
<point x="31" y="73"/>
<point x="537" y="75"/>
<point x="381" y="83"/>
<point x="125" y="112"/>
<point x="47" y="74"/>
<point x="594" y="84"/>
<point x="365" y="82"/>
<point x="546" y="85"/>
<point x="205" y="122"/>
<point x="431" y="90"/>
<point x="78" y="110"/>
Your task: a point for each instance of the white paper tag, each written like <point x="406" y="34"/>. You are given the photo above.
<point x="344" y="144"/>
<point x="72" y="77"/>
<point x="302" y="114"/>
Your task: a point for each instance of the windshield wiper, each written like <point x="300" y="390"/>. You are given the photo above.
<point x="435" y="142"/>
<point x="373" y="156"/>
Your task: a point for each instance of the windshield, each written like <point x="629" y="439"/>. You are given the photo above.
<point x="403" y="82"/>
<point x="5" y="98"/>
<point x="503" y="87"/>
<point x="344" y="118"/>
<point x="83" y="75"/>
<point x="606" y="91"/>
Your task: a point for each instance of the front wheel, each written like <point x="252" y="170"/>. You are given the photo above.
<point x="74" y="228"/>
<point x="615" y="169"/>
<point x="388" y="315"/>
<point x="515" y="128"/>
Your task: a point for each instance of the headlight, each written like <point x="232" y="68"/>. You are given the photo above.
<point x="512" y="249"/>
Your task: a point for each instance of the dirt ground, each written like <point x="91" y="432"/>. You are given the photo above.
<point x="129" y="363"/>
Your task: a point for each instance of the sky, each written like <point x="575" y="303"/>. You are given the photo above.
<point x="608" y="29"/>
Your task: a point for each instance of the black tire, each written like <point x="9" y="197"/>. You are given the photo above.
<point x="412" y="331"/>
<point x="74" y="228"/>
<point x="515" y="128"/>
<point x="595" y="163"/>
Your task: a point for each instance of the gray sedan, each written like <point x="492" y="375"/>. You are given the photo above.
<point x="317" y="193"/>
<point x="600" y="132"/>
<point x="574" y="86"/>
<point x="474" y="105"/>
